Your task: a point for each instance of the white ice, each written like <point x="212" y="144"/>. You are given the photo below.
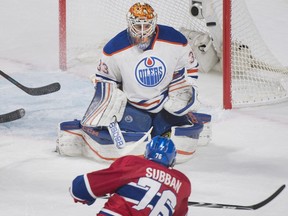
<point x="246" y="161"/>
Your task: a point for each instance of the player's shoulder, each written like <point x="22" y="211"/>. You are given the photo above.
<point x="117" y="44"/>
<point x="132" y="159"/>
<point x="129" y="160"/>
<point x="170" y="35"/>
<point x="138" y="161"/>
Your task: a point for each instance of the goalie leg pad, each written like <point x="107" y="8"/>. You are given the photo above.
<point x="205" y="119"/>
<point x="96" y="144"/>
<point x="70" y="140"/>
<point x="135" y="145"/>
<point x="163" y="121"/>
<point x="102" y="136"/>
<point x="186" y="139"/>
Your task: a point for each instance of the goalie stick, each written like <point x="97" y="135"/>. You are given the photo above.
<point x="240" y="207"/>
<point x="12" y="116"/>
<point x="33" y="91"/>
<point x="116" y="134"/>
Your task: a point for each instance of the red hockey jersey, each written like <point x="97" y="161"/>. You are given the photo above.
<point x="139" y="187"/>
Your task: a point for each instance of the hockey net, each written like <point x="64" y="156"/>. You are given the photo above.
<point x="255" y="76"/>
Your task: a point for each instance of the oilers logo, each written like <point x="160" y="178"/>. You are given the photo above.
<point x="150" y="71"/>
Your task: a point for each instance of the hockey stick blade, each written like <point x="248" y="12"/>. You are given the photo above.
<point x="240" y="207"/>
<point x="53" y="87"/>
<point x="33" y="91"/>
<point x="12" y="116"/>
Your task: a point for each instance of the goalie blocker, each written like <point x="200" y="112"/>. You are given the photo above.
<point x="91" y="138"/>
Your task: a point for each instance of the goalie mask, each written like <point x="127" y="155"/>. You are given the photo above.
<point x="141" y="20"/>
<point x="161" y="150"/>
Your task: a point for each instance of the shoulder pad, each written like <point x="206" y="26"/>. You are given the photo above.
<point x="171" y="35"/>
<point x="117" y="44"/>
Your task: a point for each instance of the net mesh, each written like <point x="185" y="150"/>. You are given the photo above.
<point x="257" y="77"/>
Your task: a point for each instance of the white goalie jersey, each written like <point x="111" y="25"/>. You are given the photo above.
<point x="161" y="80"/>
<point x="148" y="77"/>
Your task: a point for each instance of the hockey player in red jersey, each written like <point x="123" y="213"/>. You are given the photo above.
<point x="138" y="186"/>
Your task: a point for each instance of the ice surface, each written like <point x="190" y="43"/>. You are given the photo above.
<point x="246" y="161"/>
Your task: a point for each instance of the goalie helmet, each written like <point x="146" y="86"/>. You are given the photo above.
<point x="161" y="150"/>
<point x="142" y="20"/>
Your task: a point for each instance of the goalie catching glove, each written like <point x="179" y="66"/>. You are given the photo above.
<point x="108" y="102"/>
<point x="182" y="98"/>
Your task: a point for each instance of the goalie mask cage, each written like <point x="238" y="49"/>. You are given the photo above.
<point x="251" y="74"/>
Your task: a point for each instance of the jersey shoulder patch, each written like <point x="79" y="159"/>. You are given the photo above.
<point x="117" y="44"/>
<point x="171" y="35"/>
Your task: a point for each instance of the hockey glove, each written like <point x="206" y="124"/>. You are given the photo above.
<point x="182" y="101"/>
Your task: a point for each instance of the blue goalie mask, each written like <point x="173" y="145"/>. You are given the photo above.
<point x="161" y="150"/>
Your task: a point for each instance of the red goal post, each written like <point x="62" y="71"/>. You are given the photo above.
<point x="251" y="75"/>
<point x="227" y="94"/>
<point x="62" y="36"/>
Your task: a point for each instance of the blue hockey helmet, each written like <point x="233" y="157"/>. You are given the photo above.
<point x="161" y="150"/>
